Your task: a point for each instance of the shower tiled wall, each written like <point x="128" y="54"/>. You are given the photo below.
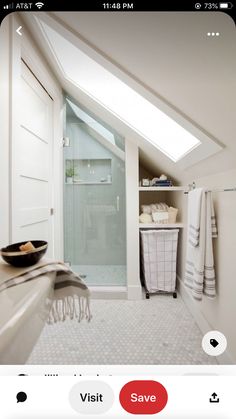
<point x="94" y="214"/>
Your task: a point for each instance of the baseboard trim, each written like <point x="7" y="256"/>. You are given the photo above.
<point x="134" y="292"/>
<point x="108" y="293"/>
<point x="201" y="321"/>
<point x="131" y="292"/>
<point x="204" y="326"/>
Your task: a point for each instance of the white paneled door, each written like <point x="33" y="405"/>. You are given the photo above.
<point x="32" y="163"/>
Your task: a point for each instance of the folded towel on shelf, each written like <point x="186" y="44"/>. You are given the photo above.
<point x="148" y="209"/>
<point x="145" y="218"/>
<point x="200" y="272"/>
<point x="71" y="294"/>
<point x="159" y="206"/>
<point x="158" y="213"/>
<point x="163" y="183"/>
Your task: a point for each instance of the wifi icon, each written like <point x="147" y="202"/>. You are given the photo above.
<point x="39" y="5"/>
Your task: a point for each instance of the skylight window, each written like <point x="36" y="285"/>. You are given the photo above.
<point x="92" y="123"/>
<point x="120" y="99"/>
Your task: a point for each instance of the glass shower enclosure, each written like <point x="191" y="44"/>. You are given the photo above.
<point x="94" y="199"/>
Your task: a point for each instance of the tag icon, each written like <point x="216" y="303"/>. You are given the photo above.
<point x="214" y="343"/>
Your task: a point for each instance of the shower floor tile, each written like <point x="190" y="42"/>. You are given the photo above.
<point x="111" y="275"/>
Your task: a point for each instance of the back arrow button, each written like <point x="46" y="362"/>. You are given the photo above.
<point x="18" y="30"/>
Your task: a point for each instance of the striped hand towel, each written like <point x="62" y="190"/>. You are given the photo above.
<point x="200" y="271"/>
<point x="214" y="231"/>
<point x="194" y="214"/>
<point x="209" y="284"/>
<point x="71" y="294"/>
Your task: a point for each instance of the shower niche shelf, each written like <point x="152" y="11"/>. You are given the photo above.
<point x="88" y="171"/>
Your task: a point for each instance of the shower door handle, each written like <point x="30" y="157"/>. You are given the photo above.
<point x="117" y="203"/>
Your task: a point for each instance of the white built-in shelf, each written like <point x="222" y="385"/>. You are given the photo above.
<point x="161" y="188"/>
<point x="162" y="226"/>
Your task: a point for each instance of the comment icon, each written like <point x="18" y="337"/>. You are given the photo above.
<point x="21" y="397"/>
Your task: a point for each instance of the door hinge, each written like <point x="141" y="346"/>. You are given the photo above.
<point x="51" y="211"/>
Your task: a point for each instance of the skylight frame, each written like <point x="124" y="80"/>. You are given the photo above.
<point x="139" y="108"/>
<point x="209" y="145"/>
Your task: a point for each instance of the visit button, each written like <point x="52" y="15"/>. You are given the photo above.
<point x="143" y="397"/>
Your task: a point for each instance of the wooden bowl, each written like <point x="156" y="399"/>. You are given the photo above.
<point x="15" y="257"/>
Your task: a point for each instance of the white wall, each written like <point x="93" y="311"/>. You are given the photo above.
<point x="13" y="48"/>
<point x="219" y="314"/>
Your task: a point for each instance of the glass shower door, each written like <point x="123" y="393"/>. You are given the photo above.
<point x="94" y="199"/>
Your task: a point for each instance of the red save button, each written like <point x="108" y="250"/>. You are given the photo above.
<point x="143" y="397"/>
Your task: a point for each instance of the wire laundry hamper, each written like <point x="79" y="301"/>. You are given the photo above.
<point x="158" y="257"/>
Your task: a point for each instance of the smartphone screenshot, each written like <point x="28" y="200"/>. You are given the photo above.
<point x="117" y="210"/>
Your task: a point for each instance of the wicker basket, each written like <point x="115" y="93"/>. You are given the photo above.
<point x="165" y="217"/>
<point x="172" y="212"/>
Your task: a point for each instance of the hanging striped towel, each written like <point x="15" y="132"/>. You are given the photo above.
<point x="211" y="232"/>
<point x="194" y="216"/>
<point x="200" y="271"/>
<point x="71" y="294"/>
<point x="213" y="218"/>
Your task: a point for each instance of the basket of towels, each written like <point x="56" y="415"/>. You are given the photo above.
<point x="159" y="213"/>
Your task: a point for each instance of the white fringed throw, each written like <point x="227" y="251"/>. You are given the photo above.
<point x="71" y="294"/>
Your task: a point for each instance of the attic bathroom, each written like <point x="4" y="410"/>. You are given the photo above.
<point x="119" y="157"/>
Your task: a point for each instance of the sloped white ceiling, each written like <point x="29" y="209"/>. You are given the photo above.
<point x="172" y="56"/>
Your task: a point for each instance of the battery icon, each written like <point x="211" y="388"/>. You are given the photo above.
<point x="226" y="5"/>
